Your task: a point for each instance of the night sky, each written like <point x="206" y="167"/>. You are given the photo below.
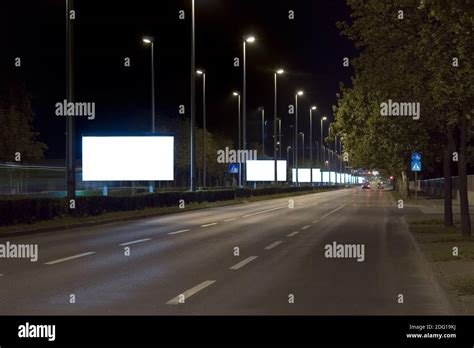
<point x="309" y="48"/>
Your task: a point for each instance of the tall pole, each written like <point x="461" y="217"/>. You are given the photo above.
<point x="193" y="102"/>
<point x="244" y="101"/>
<point x="70" y="129"/>
<point x="279" y="137"/>
<point x="311" y="143"/>
<point x="152" y="88"/>
<point x="275" y="125"/>
<point x="263" y="130"/>
<point x="204" y="129"/>
<point x="302" y="144"/>
<point x="296" y="137"/>
<point x="240" y="142"/>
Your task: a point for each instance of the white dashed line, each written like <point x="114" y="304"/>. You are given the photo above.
<point x="292" y="234"/>
<point x="180" y="231"/>
<point x="274" y="244"/>
<point x="135" y="241"/>
<point x="188" y="293"/>
<point x="70" y="258"/>
<point x="230" y="219"/>
<point x="1" y="275"/>
<point x="305" y="227"/>
<point x="243" y="262"/>
<point x="331" y="212"/>
<point x="211" y="224"/>
<point x="263" y="211"/>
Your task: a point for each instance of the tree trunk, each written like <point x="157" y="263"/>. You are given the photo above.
<point x="462" y="171"/>
<point x="403" y="184"/>
<point x="448" y="184"/>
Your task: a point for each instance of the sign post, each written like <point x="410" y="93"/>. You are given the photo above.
<point x="416" y="167"/>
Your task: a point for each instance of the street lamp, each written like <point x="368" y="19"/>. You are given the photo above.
<point x="262" y="109"/>
<point x="249" y="39"/>
<point x="302" y="136"/>
<point x="149" y="40"/>
<point x="298" y="94"/>
<point x="203" y="73"/>
<point x="288" y="148"/>
<point x="279" y="137"/>
<point x="311" y="140"/>
<point x="277" y="72"/>
<point x="237" y="94"/>
<point x="324" y="118"/>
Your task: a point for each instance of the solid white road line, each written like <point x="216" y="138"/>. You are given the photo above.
<point x="70" y="258"/>
<point x="188" y="293"/>
<point x="274" y="244"/>
<point x="292" y="234"/>
<point x="1" y="275"/>
<point x="243" y="262"/>
<point x="305" y="227"/>
<point x="135" y="241"/>
<point x="263" y="211"/>
<point x="230" y="219"/>
<point x="211" y="224"/>
<point x="180" y="231"/>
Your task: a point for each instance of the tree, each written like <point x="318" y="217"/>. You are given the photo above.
<point x="16" y="126"/>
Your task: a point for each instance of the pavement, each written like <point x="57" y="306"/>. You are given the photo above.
<point x="188" y="263"/>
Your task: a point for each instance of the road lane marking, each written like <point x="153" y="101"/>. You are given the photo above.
<point x="274" y="244"/>
<point x="230" y="219"/>
<point x="70" y="258"/>
<point x="332" y="212"/>
<point x="243" y="262"/>
<point x="305" y="227"/>
<point x="292" y="234"/>
<point x="263" y="211"/>
<point x="211" y="224"/>
<point x="180" y="231"/>
<point x="188" y="293"/>
<point x="135" y="241"/>
<point x="1" y="275"/>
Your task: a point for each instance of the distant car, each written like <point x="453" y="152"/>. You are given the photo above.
<point x="380" y="186"/>
<point x="366" y="185"/>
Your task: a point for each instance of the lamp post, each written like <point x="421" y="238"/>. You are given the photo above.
<point x="262" y="109"/>
<point x="276" y="73"/>
<point x="288" y="148"/>
<point x="204" y="128"/>
<point x="279" y="137"/>
<point x="248" y="39"/>
<point x="302" y="144"/>
<point x="311" y="141"/>
<point x="149" y="40"/>
<point x="192" y="139"/>
<point x="70" y="129"/>
<point x="237" y="94"/>
<point x="323" y="157"/>
<point x="298" y="94"/>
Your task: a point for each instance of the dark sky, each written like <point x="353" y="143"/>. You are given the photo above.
<point x="309" y="47"/>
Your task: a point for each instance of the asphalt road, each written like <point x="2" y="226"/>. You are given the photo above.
<point x="191" y="256"/>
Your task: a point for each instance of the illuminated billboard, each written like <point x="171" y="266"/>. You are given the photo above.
<point x="127" y="158"/>
<point x="304" y="175"/>
<point x="264" y="170"/>
<point x="316" y="175"/>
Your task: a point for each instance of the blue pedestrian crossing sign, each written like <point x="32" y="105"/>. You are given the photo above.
<point x="415" y="166"/>
<point x="233" y="168"/>
<point x="416" y="156"/>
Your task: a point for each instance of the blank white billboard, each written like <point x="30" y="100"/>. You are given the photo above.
<point x="316" y="175"/>
<point x="304" y="175"/>
<point x="325" y="177"/>
<point x="360" y="179"/>
<point x="346" y="178"/>
<point x="332" y="177"/>
<point x="264" y="170"/>
<point x="339" y="178"/>
<point x="127" y="158"/>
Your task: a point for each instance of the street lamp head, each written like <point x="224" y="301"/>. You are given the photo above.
<point x="300" y="93"/>
<point x="148" y="39"/>
<point x="199" y="72"/>
<point x="235" y="93"/>
<point x="313" y="108"/>
<point x="301" y="133"/>
<point x="324" y="118"/>
<point x="250" y="39"/>
<point x="280" y="71"/>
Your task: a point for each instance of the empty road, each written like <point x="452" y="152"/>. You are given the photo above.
<point x="263" y="257"/>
